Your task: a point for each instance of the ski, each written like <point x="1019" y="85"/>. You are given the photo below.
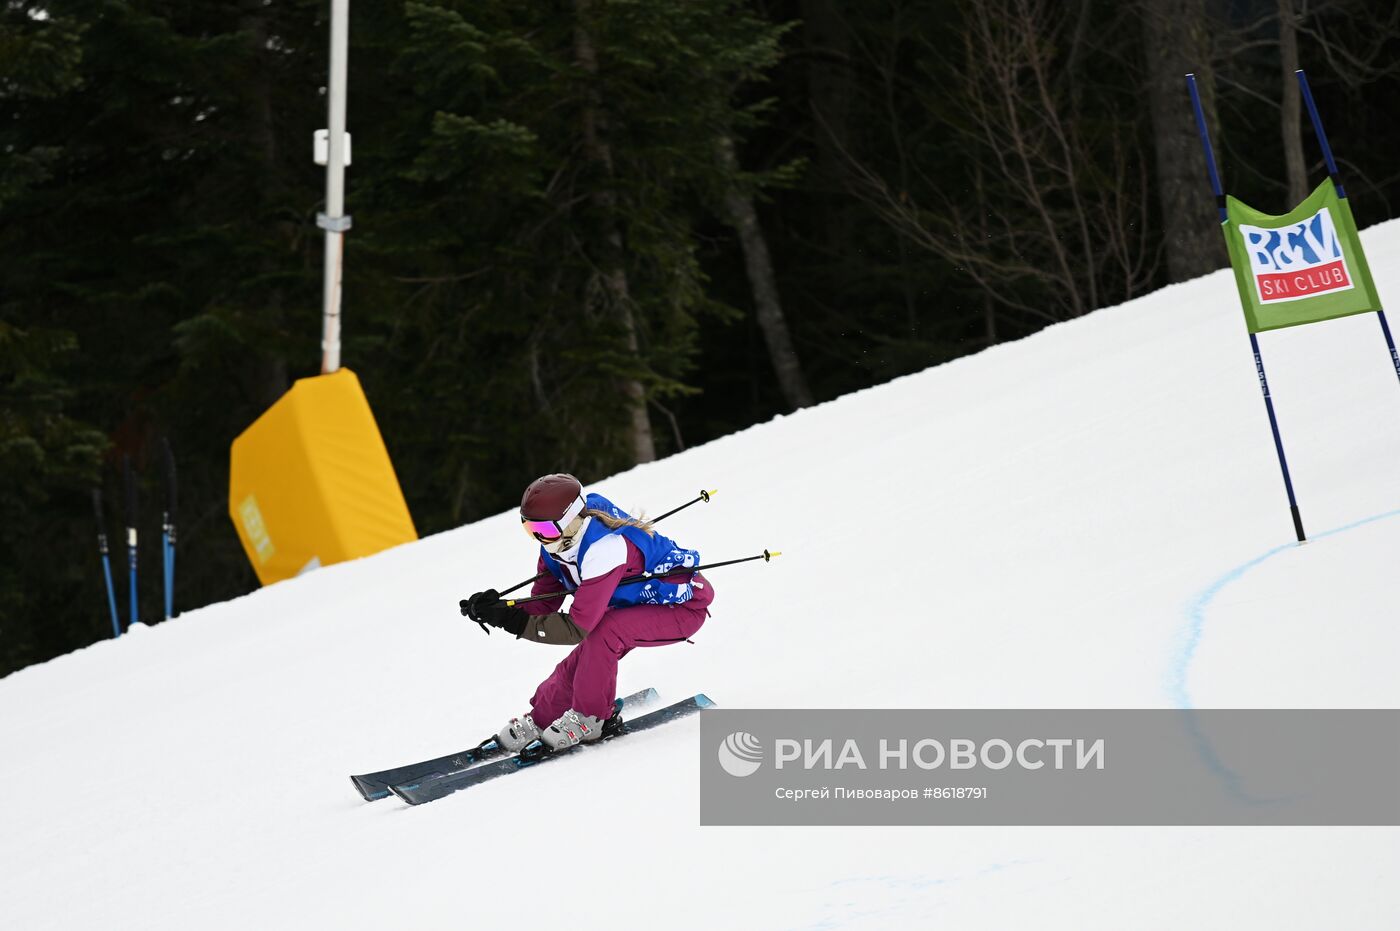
<point x="374" y="786"/>
<point x="436" y="786"/>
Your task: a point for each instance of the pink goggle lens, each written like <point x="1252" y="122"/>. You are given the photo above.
<point x="542" y="529"/>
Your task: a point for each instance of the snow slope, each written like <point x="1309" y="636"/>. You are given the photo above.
<point x="1100" y="523"/>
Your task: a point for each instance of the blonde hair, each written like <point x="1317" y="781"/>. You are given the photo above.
<point x="614" y="523"/>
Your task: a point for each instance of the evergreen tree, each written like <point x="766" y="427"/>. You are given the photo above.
<point x="564" y="158"/>
<point x="47" y="456"/>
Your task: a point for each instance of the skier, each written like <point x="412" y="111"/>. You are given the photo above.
<point x="587" y="546"/>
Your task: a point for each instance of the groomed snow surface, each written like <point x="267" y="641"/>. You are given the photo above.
<point x="1073" y="520"/>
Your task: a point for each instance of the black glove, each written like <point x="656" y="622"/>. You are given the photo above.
<point x="486" y="608"/>
<point x="471" y="605"/>
<point x="507" y="617"/>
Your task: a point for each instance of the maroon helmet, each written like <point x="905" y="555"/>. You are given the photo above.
<point x="550" y="505"/>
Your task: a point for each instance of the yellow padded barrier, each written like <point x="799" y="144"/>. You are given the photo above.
<point x="311" y="484"/>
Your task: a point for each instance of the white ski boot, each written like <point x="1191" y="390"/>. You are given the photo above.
<point x="517" y="734"/>
<point x="571" y="728"/>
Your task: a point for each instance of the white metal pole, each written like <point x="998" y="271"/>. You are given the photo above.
<point x="334" y="221"/>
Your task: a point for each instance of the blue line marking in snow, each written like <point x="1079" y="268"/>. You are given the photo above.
<point x="1196" y="615"/>
<point x="1196" y="610"/>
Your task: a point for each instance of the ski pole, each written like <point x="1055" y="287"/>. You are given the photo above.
<point x="131" y="534"/>
<point x="106" y="561"/>
<point x="704" y="496"/>
<point x="633" y="579"/>
<point x="168" y="532"/>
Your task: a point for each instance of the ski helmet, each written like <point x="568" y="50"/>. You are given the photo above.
<point x="550" y="505"/>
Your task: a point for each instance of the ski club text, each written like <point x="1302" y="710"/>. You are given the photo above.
<point x="1298" y="261"/>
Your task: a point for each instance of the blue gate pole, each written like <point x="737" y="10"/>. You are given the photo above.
<point x="168" y="532"/>
<point x="1278" y="440"/>
<point x="1253" y="340"/>
<point x="1389" y="342"/>
<point x="106" y="561"/>
<point x="1321" y="135"/>
<point x="131" y="536"/>
<point x="1341" y="192"/>
<point x="165" y="563"/>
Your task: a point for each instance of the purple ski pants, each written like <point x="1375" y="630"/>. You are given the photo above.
<point x="586" y="679"/>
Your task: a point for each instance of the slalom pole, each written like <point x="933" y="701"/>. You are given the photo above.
<point x="1278" y="441"/>
<point x="766" y="556"/>
<point x="1341" y="192"/>
<point x="1389" y="342"/>
<point x="106" y="562"/>
<point x="165" y="559"/>
<point x="703" y="496"/>
<point x="168" y="531"/>
<point x="1253" y="340"/>
<point x="1321" y="134"/>
<point x="1205" y="144"/>
<point x="131" y="535"/>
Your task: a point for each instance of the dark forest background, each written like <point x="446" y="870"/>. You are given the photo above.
<point x="587" y="233"/>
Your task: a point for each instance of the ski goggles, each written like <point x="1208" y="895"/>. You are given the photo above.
<point x="547" y="531"/>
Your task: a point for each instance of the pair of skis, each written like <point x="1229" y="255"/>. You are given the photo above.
<point x="429" y="780"/>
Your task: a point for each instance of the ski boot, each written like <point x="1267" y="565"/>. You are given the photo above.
<point x="574" y="728"/>
<point x="517" y="734"/>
